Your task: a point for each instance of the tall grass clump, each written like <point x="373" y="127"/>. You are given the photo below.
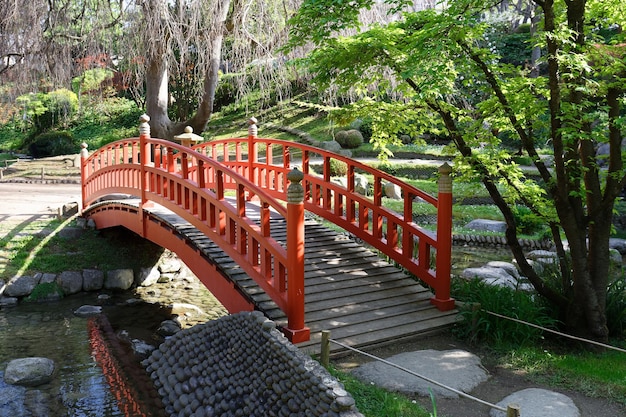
<point x="478" y="325"/>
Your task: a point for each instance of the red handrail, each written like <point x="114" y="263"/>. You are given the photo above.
<point x="395" y="234"/>
<point x="194" y="187"/>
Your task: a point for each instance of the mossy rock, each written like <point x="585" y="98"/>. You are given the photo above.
<point x="48" y="291"/>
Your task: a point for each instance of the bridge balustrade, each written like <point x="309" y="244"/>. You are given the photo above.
<point x="199" y="183"/>
<point x="426" y="254"/>
<point x="195" y="187"/>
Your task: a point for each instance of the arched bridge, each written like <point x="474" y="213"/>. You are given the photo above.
<point x="234" y="211"/>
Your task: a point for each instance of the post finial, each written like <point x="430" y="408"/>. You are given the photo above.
<point x="252" y="127"/>
<point x="144" y="126"/>
<point x="445" y="181"/>
<point x="83" y="150"/>
<point x="295" y="191"/>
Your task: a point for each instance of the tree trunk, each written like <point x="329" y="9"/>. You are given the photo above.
<point x="157" y="92"/>
<point x="157" y="99"/>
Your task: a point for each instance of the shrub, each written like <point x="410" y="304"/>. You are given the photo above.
<point x="52" y="144"/>
<point x="528" y="222"/>
<point x="365" y="127"/>
<point x="60" y="107"/>
<point x="338" y="168"/>
<point x="349" y="139"/>
<point x="616" y="307"/>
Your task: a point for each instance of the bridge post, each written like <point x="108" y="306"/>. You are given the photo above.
<point x="252" y="148"/>
<point x="84" y="154"/>
<point x="295" y="330"/>
<point x="442" y="298"/>
<point x="144" y="157"/>
<point x="144" y="135"/>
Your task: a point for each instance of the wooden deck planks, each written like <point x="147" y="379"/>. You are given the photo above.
<point x="361" y="298"/>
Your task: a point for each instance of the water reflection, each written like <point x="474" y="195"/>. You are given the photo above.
<point x="52" y="331"/>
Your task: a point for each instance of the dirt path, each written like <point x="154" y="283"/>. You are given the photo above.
<point x="29" y="199"/>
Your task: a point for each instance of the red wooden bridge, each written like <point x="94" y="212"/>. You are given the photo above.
<point x="234" y="211"/>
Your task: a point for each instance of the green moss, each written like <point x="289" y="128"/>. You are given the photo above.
<point x="45" y="291"/>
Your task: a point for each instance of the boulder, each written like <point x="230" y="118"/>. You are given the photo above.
<point x="455" y="368"/>
<point x="8" y="301"/>
<point x="87" y="311"/>
<point x="93" y="279"/>
<point x="168" y="328"/>
<point x="71" y="282"/>
<point x="148" y="276"/>
<point x="141" y="348"/>
<point x="47" y="278"/>
<point x="392" y="191"/>
<point x="71" y="233"/>
<point x="20" y="286"/>
<point x="169" y="265"/>
<point x="119" y="279"/>
<point x="487" y="225"/>
<point x="510" y="268"/>
<point x="495" y="276"/>
<point x="331" y="146"/>
<point x="537" y="402"/>
<point x="29" y="371"/>
<point x="618" y="244"/>
<point x="361" y="184"/>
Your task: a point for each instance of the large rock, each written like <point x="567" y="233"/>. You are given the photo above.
<point x="29" y="371"/>
<point x="119" y="279"/>
<point x="495" y="276"/>
<point x="71" y="282"/>
<point x="361" y="184"/>
<point x="21" y="286"/>
<point x="392" y="191"/>
<point x="8" y="301"/>
<point x="537" y="402"/>
<point x="148" y="276"/>
<point x="331" y="146"/>
<point x="456" y="368"/>
<point x="87" y="311"/>
<point x="618" y="244"/>
<point x="93" y="279"/>
<point x="169" y="265"/>
<point x="510" y="268"/>
<point x="47" y="278"/>
<point x="487" y="225"/>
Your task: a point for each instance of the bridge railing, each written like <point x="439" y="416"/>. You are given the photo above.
<point x="426" y="254"/>
<point x="195" y="187"/>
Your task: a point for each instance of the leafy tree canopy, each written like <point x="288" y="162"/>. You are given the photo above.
<point x="438" y="70"/>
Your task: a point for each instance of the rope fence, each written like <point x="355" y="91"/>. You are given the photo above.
<point x="513" y="410"/>
<point x="580" y="339"/>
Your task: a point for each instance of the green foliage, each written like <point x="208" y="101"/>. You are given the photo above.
<point x="616" y="307"/>
<point x="52" y="144"/>
<point x="60" y="106"/>
<point x="478" y="325"/>
<point x="364" y="126"/>
<point x="338" y="168"/>
<point x="528" y="223"/>
<point x="91" y="80"/>
<point x="44" y="291"/>
<point x="373" y="401"/>
<point x="349" y="139"/>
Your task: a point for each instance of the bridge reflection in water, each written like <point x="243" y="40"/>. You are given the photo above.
<point x="234" y="211"/>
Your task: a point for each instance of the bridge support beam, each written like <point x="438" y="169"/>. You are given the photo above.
<point x="295" y="331"/>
